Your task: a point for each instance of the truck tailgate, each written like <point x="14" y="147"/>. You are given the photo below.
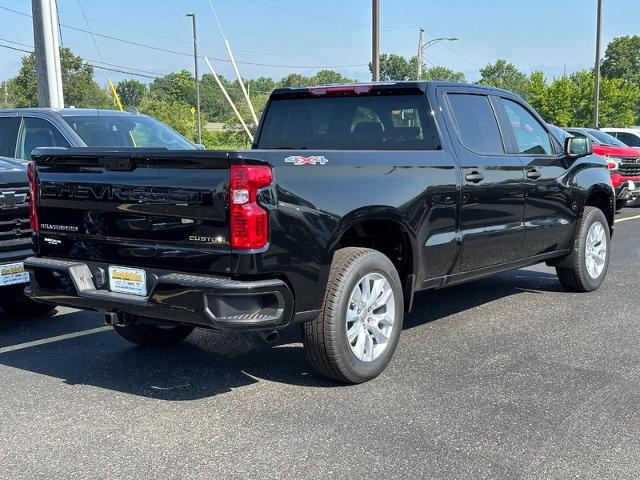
<point x="146" y="208"/>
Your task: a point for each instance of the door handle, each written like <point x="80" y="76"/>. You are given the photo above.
<point x="534" y="174"/>
<point x="474" y="177"/>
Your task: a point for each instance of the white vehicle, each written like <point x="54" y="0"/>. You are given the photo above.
<point x="628" y="136"/>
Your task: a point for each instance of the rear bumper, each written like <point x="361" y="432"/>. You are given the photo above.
<point x="207" y="301"/>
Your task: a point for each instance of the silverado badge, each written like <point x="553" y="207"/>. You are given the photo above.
<point x="306" y="160"/>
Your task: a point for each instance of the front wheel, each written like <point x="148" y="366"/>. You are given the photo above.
<point x="153" y="335"/>
<point x="355" y="336"/>
<point x="592" y="252"/>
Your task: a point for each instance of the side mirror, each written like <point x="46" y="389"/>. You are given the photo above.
<point x="578" y="147"/>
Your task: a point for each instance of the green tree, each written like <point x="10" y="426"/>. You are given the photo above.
<point x="295" y="80"/>
<point x="178" y="86"/>
<point x="622" y="59"/>
<point x="80" y="89"/>
<point x="396" y="68"/>
<point x="505" y="75"/>
<point x="443" y="74"/>
<point x="175" y="114"/>
<point x="327" y="77"/>
<point x="131" y="92"/>
<point x="559" y="101"/>
<point x="536" y="91"/>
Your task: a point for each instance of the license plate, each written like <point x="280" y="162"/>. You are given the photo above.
<point x="132" y="281"/>
<point x="13" y="274"/>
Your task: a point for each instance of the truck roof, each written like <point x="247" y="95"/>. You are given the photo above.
<point x="361" y="88"/>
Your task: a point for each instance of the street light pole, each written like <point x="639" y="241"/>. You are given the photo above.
<point x="375" y="44"/>
<point x="420" y="52"/>
<point x="422" y="46"/>
<point x="596" y="89"/>
<point x="195" y="61"/>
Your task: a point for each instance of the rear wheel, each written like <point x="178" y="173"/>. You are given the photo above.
<point x="355" y="336"/>
<point x="28" y="308"/>
<point x="591" y="259"/>
<point x="153" y="335"/>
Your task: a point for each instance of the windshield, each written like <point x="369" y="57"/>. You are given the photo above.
<point x="138" y="131"/>
<point x="606" y="138"/>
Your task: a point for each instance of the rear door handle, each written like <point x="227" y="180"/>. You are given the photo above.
<point x="474" y="177"/>
<point x="534" y="174"/>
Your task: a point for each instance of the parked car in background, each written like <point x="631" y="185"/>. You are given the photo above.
<point x="15" y="239"/>
<point x="623" y="161"/>
<point x="628" y="136"/>
<point x="23" y="129"/>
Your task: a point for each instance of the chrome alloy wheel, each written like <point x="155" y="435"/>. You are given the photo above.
<point x="596" y="250"/>
<point x="371" y="314"/>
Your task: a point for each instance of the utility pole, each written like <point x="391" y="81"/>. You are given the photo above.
<point x="596" y="89"/>
<point x="420" y="51"/>
<point x="195" y="61"/>
<point x="375" y="56"/>
<point x="46" y="39"/>
<point x="422" y="46"/>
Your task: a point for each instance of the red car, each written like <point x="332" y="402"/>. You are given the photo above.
<point x="624" y="162"/>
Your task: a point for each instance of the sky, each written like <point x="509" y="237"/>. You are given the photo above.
<point x="285" y="36"/>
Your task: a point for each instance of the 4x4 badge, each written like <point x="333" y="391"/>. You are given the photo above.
<point x="314" y="160"/>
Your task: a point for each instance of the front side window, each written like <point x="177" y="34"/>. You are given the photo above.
<point x="530" y="136"/>
<point x="37" y="132"/>
<point x="476" y="123"/>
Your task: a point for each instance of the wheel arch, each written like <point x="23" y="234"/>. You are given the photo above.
<point x="388" y="231"/>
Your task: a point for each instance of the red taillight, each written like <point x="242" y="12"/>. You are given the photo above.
<point x="249" y="221"/>
<point x="33" y="211"/>
<point x="339" y="90"/>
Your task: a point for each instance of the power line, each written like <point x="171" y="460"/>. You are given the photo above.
<point x="328" y="19"/>
<point x="175" y="52"/>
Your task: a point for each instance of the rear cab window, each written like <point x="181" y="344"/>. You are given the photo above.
<point x="362" y="122"/>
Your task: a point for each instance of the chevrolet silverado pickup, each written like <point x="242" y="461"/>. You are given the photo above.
<point x="353" y="199"/>
<point x="15" y="240"/>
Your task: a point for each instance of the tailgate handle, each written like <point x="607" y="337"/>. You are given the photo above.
<point x="117" y="164"/>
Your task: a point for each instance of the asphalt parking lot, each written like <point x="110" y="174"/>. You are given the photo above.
<point x="508" y="377"/>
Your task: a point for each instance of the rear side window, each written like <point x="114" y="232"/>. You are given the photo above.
<point x="35" y="133"/>
<point x="476" y="123"/>
<point x="387" y="122"/>
<point x="8" y="133"/>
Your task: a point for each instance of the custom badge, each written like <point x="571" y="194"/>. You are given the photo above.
<point x="314" y="160"/>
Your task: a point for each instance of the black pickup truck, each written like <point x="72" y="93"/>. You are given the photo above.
<point x="354" y="198"/>
<point x="15" y="240"/>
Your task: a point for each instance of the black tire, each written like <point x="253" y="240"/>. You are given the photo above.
<point x="576" y="278"/>
<point x="620" y="204"/>
<point x="325" y="338"/>
<point x="153" y="335"/>
<point x="28" y="308"/>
